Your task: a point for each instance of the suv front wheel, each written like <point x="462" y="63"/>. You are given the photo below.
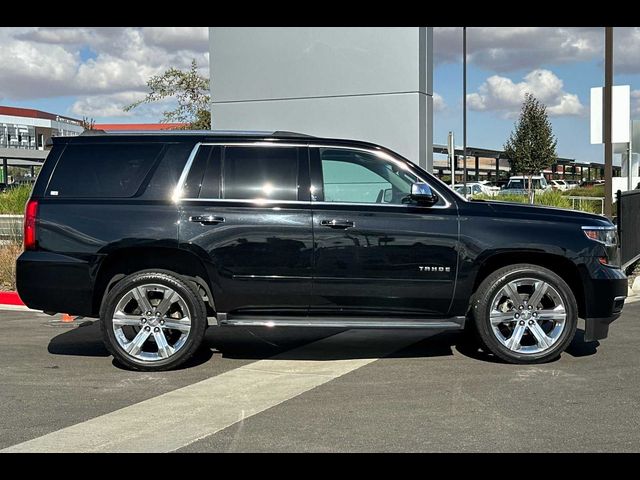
<point x="152" y="320"/>
<point x="525" y="314"/>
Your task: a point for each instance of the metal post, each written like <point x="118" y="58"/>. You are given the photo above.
<point x="464" y="106"/>
<point x="477" y="168"/>
<point x="5" y="171"/>
<point x="451" y="146"/>
<point x="607" y="109"/>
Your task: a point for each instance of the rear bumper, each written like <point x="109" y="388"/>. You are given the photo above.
<point x="55" y="283"/>
<point x="605" y="293"/>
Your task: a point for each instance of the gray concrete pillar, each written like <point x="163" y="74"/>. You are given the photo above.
<point x="365" y="83"/>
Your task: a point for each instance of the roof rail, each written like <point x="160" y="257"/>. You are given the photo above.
<point x="286" y="133"/>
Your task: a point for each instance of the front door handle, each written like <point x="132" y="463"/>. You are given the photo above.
<point x="337" y="223"/>
<point x="206" y="219"/>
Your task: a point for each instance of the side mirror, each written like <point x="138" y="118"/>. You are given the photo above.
<point x="422" y="194"/>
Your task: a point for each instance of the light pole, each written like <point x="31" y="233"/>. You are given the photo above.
<point x="606" y="97"/>
<point x="464" y="108"/>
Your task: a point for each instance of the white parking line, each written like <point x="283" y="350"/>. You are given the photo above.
<point x="175" y="419"/>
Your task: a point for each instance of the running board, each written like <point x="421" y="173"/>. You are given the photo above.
<point x="453" y="323"/>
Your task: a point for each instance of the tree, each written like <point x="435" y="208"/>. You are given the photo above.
<point x="531" y="146"/>
<point x="88" y="123"/>
<point x="189" y="88"/>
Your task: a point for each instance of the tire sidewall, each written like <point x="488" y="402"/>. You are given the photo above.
<point x="483" y="305"/>
<point x="194" y="338"/>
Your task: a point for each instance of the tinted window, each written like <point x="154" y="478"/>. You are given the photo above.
<point x="165" y="176"/>
<point x="102" y="170"/>
<point x="351" y="176"/>
<point x="211" y="179"/>
<point x="260" y="173"/>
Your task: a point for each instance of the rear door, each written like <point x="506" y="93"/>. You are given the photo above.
<point x="245" y="210"/>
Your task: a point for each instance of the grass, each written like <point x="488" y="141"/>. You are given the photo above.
<point x="9" y="252"/>
<point x="13" y="201"/>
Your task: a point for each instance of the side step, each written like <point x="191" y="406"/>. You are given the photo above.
<point x="453" y="323"/>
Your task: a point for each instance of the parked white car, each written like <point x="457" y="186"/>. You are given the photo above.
<point x="475" y="188"/>
<point x="559" y="185"/>
<point x="518" y="185"/>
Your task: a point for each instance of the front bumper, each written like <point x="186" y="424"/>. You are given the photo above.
<point x="605" y="290"/>
<point x="598" y="328"/>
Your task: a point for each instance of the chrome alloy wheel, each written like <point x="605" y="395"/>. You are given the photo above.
<point x="151" y="322"/>
<point x="528" y="315"/>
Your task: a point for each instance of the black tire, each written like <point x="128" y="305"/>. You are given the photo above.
<point x="193" y="301"/>
<point x="492" y="285"/>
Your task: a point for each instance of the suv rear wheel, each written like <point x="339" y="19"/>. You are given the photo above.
<point x="152" y="320"/>
<point x="525" y="314"/>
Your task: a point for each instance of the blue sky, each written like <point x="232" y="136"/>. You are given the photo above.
<point x="94" y="72"/>
<point x="571" y="60"/>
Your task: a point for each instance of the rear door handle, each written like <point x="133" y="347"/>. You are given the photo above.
<point x="337" y="223"/>
<point x="206" y="219"/>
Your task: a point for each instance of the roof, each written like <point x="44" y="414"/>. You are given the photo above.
<point x="32" y="113"/>
<point x="136" y="127"/>
<point x="204" y="136"/>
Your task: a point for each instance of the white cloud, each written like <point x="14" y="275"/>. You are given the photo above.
<point x="181" y="38"/>
<point x="112" y="105"/>
<point x="48" y="61"/>
<point x="438" y="103"/>
<point x="105" y="105"/>
<point x="503" y="95"/>
<point x="505" y="49"/>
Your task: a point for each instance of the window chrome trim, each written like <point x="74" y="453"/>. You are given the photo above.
<point x="258" y="202"/>
<point x="378" y="152"/>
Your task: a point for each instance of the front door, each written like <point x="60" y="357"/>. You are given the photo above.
<point x="374" y="253"/>
<point x="245" y="214"/>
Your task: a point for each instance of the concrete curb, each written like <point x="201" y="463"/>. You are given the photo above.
<point x="10" y="298"/>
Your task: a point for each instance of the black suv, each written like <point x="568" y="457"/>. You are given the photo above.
<point x="162" y="235"/>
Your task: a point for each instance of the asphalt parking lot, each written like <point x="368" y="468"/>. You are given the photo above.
<point x="315" y="390"/>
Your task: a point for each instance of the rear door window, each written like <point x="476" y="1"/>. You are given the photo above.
<point x="103" y="170"/>
<point x="252" y="173"/>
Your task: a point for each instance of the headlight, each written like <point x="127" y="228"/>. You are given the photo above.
<point x="605" y="235"/>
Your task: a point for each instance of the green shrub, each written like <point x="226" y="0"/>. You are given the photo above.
<point x="552" y="198"/>
<point x="13" y="201"/>
<point x="595" y="191"/>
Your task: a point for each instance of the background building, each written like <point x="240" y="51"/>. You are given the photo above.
<point x="24" y="134"/>
<point x="372" y="84"/>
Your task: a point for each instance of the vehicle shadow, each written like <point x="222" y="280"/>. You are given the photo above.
<point x="259" y="343"/>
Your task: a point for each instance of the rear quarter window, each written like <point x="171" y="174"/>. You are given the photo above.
<point x="102" y="170"/>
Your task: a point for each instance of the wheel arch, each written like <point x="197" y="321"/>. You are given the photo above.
<point x="562" y="266"/>
<point x="125" y="261"/>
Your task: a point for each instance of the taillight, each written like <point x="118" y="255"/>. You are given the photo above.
<point x="30" y="215"/>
